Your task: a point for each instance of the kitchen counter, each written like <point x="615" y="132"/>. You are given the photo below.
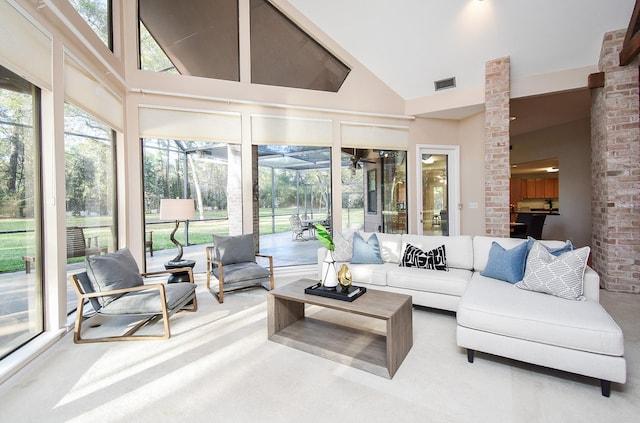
<point x="540" y="211"/>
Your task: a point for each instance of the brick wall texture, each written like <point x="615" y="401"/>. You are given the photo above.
<point x="497" y="93"/>
<point x="615" y="166"/>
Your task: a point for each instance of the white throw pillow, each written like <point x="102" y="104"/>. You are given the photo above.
<point x="561" y="276"/>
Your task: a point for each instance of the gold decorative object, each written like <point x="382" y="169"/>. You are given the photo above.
<point x="344" y="277"/>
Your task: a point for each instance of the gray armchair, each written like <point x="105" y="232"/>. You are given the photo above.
<point x="114" y="287"/>
<point x="232" y="260"/>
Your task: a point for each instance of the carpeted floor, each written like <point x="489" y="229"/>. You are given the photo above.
<point x="219" y="366"/>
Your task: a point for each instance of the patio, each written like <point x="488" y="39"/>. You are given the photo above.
<point x="284" y="250"/>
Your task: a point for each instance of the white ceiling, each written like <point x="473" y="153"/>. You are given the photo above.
<point x="409" y="44"/>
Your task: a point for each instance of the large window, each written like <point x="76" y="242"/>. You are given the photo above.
<point x="21" y="314"/>
<point x="198" y="37"/>
<point x="208" y="172"/>
<point x="294" y="181"/>
<point x="152" y="58"/>
<point x="283" y="54"/>
<point x="90" y="189"/>
<point x="97" y="13"/>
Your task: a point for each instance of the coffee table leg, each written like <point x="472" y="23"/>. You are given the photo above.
<point x="399" y="336"/>
<point x="281" y="313"/>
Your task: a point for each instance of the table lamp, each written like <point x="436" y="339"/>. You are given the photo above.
<point x="176" y="209"/>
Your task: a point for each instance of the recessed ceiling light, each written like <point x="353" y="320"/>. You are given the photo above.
<point x="511" y="118"/>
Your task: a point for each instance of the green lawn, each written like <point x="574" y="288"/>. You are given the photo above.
<point x="17" y="240"/>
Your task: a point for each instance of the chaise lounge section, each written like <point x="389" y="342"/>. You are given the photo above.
<point x="499" y="318"/>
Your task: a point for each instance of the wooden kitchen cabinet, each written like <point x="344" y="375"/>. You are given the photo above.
<point x="515" y="190"/>
<point x="532" y="188"/>
<point x="551" y="188"/>
<point x="540" y="192"/>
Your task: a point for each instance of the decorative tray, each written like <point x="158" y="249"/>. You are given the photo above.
<point x="338" y="294"/>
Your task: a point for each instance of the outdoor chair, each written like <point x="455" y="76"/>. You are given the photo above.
<point x="232" y="260"/>
<point x="115" y="288"/>
<point x="297" y="229"/>
<point x="148" y="242"/>
<point x="80" y="246"/>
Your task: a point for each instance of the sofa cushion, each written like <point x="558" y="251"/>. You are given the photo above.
<point x="234" y="249"/>
<point x="366" y="251"/>
<point x="240" y="272"/>
<point x="506" y="265"/>
<point x="459" y="248"/>
<point x="149" y="302"/>
<point x="390" y="245"/>
<point x="372" y="274"/>
<point x="435" y="259"/>
<point x="453" y="282"/>
<point x="491" y="305"/>
<point x="116" y="270"/>
<point x="561" y="276"/>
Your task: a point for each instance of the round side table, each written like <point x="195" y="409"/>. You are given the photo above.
<point x="179" y="276"/>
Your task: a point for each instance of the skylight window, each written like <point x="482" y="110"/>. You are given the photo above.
<point x="285" y="55"/>
<point x="152" y="58"/>
<point x="199" y="37"/>
<point x="97" y="13"/>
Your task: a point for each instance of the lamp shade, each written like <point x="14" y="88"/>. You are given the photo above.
<point x="177" y="209"/>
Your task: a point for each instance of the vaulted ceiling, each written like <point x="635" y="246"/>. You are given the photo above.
<point x="409" y="44"/>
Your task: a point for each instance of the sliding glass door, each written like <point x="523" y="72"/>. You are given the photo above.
<point x="21" y="306"/>
<point x="438" y="190"/>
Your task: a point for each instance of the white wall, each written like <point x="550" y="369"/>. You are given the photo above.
<point x="571" y="143"/>
<point x="472" y="139"/>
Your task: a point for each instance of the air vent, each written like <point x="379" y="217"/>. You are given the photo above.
<point x="445" y="83"/>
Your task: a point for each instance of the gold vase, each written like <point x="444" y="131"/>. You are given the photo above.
<point x="344" y="277"/>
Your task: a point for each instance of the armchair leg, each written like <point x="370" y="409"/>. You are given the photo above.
<point x="78" y="325"/>
<point x="220" y="295"/>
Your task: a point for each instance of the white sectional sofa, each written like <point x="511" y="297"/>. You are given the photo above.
<point x="497" y="317"/>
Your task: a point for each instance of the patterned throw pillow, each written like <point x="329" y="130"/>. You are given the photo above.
<point x="343" y="247"/>
<point x="561" y="276"/>
<point x="435" y="259"/>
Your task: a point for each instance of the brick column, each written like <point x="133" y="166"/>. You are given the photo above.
<point x="615" y="169"/>
<point x="496" y="182"/>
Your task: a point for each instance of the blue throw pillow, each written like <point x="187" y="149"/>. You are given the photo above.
<point x="506" y="265"/>
<point x="366" y="251"/>
<point x="568" y="246"/>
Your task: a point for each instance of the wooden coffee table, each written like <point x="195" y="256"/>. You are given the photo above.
<point x="359" y="348"/>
